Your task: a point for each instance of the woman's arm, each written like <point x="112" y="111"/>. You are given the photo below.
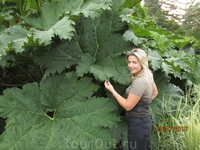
<point x="128" y="103"/>
<point x="155" y="91"/>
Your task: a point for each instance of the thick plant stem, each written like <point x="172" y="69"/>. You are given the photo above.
<point x="30" y="77"/>
<point x="11" y="85"/>
<point x="40" y="71"/>
<point x="6" y="72"/>
<point x="38" y="4"/>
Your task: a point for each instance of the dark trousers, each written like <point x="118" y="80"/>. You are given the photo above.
<point x="139" y="130"/>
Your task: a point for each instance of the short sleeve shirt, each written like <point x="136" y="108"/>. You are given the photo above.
<point x="143" y="88"/>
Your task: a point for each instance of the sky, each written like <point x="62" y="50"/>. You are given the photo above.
<point x="181" y="5"/>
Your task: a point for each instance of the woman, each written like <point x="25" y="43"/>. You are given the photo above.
<point x="140" y="94"/>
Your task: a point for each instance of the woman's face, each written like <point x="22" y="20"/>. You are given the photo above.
<point x="134" y="64"/>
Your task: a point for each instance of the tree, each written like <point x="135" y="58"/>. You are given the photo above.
<point x="160" y="12"/>
<point x="174" y="9"/>
<point x="191" y="23"/>
<point x="154" y="6"/>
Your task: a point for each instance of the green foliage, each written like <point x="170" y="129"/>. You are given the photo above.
<point x="192" y="17"/>
<point x="130" y="4"/>
<point x="169" y="56"/>
<point x="154" y="6"/>
<point x="64" y="54"/>
<point x="13" y="39"/>
<point x="166" y="91"/>
<point x="90" y="40"/>
<point x="181" y="131"/>
<point x="22" y="5"/>
<point x="140" y="12"/>
<point x="191" y="24"/>
<point x="54" y="116"/>
<point x="188" y="27"/>
<point x="173" y="26"/>
<point x="161" y="16"/>
<point x="12" y="11"/>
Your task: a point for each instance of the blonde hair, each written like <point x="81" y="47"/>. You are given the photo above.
<point x="143" y="59"/>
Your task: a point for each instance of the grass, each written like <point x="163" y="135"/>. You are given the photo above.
<point x="180" y="129"/>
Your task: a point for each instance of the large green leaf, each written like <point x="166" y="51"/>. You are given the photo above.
<point x="131" y="3"/>
<point x="88" y="8"/>
<point x="180" y="62"/>
<point x="12" y="38"/>
<point x="166" y="92"/>
<point x="97" y="47"/>
<point x="50" y="15"/>
<point x="84" y="66"/>
<point x="106" y="45"/>
<point x="51" y="21"/>
<point x="63" y="28"/>
<point x="59" y="114"/>
<point x="49" y="24"/>
<point x="57" y="58"/>
<point x="130" y="36"/>
<point x="155" y="59"/>
<point x="167" y="68"/>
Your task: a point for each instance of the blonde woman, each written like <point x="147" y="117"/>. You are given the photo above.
<point x="140" y="94"/>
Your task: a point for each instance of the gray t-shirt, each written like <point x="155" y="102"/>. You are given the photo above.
<point x="142" y="87"/>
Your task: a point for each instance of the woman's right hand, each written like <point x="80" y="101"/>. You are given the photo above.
<point x="109" y="86"/>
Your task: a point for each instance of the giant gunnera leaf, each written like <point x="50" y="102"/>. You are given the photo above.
<point x="12" y="38"/>
<point x="97" y="48"/>
<point x="51" y="21"/>
<point x="58" y="114"/>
